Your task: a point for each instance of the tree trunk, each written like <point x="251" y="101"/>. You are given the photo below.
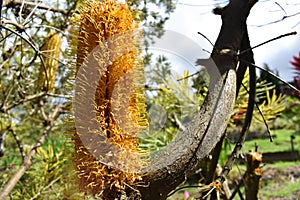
<point x="181" y="158"/>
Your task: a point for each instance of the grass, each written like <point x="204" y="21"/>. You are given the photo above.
<point x="284" y="189"/>
<point x="283" y="165"/>
<point x="277" y="181"/>
<point x="282" y="142"/>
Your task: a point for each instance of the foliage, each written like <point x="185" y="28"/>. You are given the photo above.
<point x="27" y="65"/>
<point x="291" y="115"/>
<point x="153" y="14"/>
<point x="296" y="64"/>
<point x="179" y="98"/>
<point x="158" y="71"/>
<point x="172" y="106"/>
<point x="45" y="179"/>
<point x="32" y="94"/>
<point x="26" y="113"/>
<point x="265" y="76"/>
<point x="296" y="67"/>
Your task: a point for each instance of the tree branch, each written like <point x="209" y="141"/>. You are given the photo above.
<point x="247" y="55"/>
<point x="28" y="159"/>
<point x="4" y="108"/>
<point x="273" y="39"/>
<point x="182" y="156"/>
<point x="18" y="141"/>
<point x="14" y="3"/>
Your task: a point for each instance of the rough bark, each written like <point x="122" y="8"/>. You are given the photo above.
<point x="181" y="157"/>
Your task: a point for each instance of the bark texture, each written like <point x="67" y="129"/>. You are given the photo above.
<point x="181" y="158"/>
<point x="253" y="175"/>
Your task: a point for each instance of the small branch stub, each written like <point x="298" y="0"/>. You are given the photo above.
<point x="253" y="174"/>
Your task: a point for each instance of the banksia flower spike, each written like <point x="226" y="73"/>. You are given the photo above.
<point x="51" y="53"/>
<point x="109" y="73"/>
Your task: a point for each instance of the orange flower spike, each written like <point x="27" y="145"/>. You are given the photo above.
<point x="103" y="25"/>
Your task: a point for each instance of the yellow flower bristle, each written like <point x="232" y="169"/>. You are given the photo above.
<point x="119" y="98"/>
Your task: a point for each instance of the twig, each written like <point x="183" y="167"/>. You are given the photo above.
<point x="272" y="74"/>
<point x="4" y="108"/>
<point x="281" y="8"/>
<point x="37" y="51"/>
<point x="262" y="115"/>
<point x="19" y="27"/>
<point x="30" y="14"/>
<point x="6" y="97"/>
<point x="2" y="140"/>
<point x="276" y="21"/>
<point x="209" y="192"/>
<point x="37" y="26"/>
<point x="206" y="38"/>
<point x="178" y="123"/>
<point x="11" y="4"/>
<point x="191" y="75"/>
<point x="45" y="188"/>
<point x="4" y="37"/>
<point x="21" y="10"/>
<point x="59" y="95"/>
<point x="237" y="189"/>
<point x="44" y="116"/>
<point x="10" y="52"/>
<point x="201" y="5"/>
<point x="202" y="188"/>
<point x="18" y="141"/>
<point x="273" y="39"/>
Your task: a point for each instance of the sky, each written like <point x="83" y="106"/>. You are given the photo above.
<point x="192" y="16"/>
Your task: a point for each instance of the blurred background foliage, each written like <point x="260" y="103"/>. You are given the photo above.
<point x="33" y="111"/>
<point x="26" y="112"/>
<point x="178" y="98"/>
